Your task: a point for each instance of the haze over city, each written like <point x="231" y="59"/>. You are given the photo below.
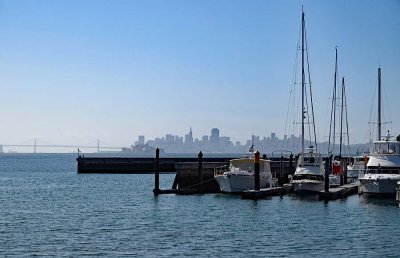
<point x="73" y="72"/>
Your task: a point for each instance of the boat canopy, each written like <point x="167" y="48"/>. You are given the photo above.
<point x="247" y="164"/>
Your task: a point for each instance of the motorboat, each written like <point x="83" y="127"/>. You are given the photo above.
<point x="239" y="176"/>
<point x="383" y="169"/>
<point x="309" y="174"/>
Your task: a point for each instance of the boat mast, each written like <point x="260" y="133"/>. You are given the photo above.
<point x="302" y="81"/>
<point x="341" y="121"/>
<point x="379" y="104"/>
<point x="331" y="148"/>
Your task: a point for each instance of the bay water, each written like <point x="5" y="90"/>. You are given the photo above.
<point x="48" y="209"/>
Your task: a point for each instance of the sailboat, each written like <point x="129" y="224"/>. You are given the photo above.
<point x="336" y="157"/>
<point x="309" y="176"/>
<point x="383" y="167"/>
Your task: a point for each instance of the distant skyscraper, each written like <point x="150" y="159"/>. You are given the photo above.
<point x="273" y="136"/>
<point x="214" y="138"/>
<point x="189" y="137"/>
<point x="141" y="140"/>
<point x="169" y="139"/>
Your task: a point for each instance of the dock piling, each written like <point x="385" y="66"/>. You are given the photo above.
<point x="257" y="171"/>
<point x="398" y="191"/>
<point x="345" y="171"/>
<point x="200" y="171"/>
<point x="341" y="178"/>
<point x="282" y="171"/>
<point x="157" y="173"/>
<point x="327" y="165"/>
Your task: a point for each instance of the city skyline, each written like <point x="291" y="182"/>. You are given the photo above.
<point x="77" y="71"/>
<point x="174" y="143"/>
<point x="214" y="143"/>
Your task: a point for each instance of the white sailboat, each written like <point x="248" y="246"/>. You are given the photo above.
<point x="309" y="176"/>
<point x="383" y="167"/>
<point x="335" y="154"/>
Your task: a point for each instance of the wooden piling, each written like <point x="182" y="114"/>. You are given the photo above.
<point x="327" y="165"/>
<point x="344" y="170"/>
<point x="291" y="167"/>
<point x="341" y="179"/>
<point x="282" y="171"/>
<point x="257" y="171"/>
<point x="157" y="173"/>
<point x="200" y="171"/>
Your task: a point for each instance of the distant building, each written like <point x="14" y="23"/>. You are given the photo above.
<point x="225" y="142"/>
<point x="178" y="139"/>
<point x="189" y="137"/>
<point x="214" y="138"/>
<point x="169" y="139"/>
<point x="141" y="140"/>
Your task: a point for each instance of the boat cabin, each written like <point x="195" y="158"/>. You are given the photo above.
<point x="386" y="148"/>
<point x="309" y="158"/>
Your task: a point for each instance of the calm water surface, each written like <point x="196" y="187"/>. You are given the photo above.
<point x="47" y="209"/>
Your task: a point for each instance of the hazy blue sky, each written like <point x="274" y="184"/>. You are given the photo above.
<point x="77" y="71"/>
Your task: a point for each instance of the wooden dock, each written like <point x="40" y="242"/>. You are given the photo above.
<point x="267" y="192"/>
<point x="138" y="165"/>
<point x="338" y="192"/>
<point x="193" y="175"/>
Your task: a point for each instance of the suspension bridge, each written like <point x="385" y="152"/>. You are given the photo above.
<point x="37" y="144"/>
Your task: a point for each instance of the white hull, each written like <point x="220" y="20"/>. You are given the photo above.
<point x="308" y="186"/>
<point x="308" y="179"/>
<point x="239" y="183"/>
<point x="379" y="183"/>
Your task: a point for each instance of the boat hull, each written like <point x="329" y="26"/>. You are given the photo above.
<point x="238" y="183"/>
<point x="379" y="185"/>
<point x="308" y="186"/>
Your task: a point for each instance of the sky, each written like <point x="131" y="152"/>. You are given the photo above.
<point x="74" y="72"/>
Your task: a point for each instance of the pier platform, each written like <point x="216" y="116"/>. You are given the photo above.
<point x="338" y="192"/>
<point x="267" y="192"/>
<point x="188" y="178"/>
<point x="132" y="165"/>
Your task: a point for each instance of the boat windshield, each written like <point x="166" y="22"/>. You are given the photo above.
<point x="387" y="148"/>
<point x="309" y="177"/>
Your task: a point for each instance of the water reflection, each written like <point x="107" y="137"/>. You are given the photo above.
<point x="379" y="201"/>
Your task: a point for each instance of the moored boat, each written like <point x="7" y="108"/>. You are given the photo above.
<point x="308" y="176"/>
<point x="239" y="176"/>
<point x="383" y="167"/>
